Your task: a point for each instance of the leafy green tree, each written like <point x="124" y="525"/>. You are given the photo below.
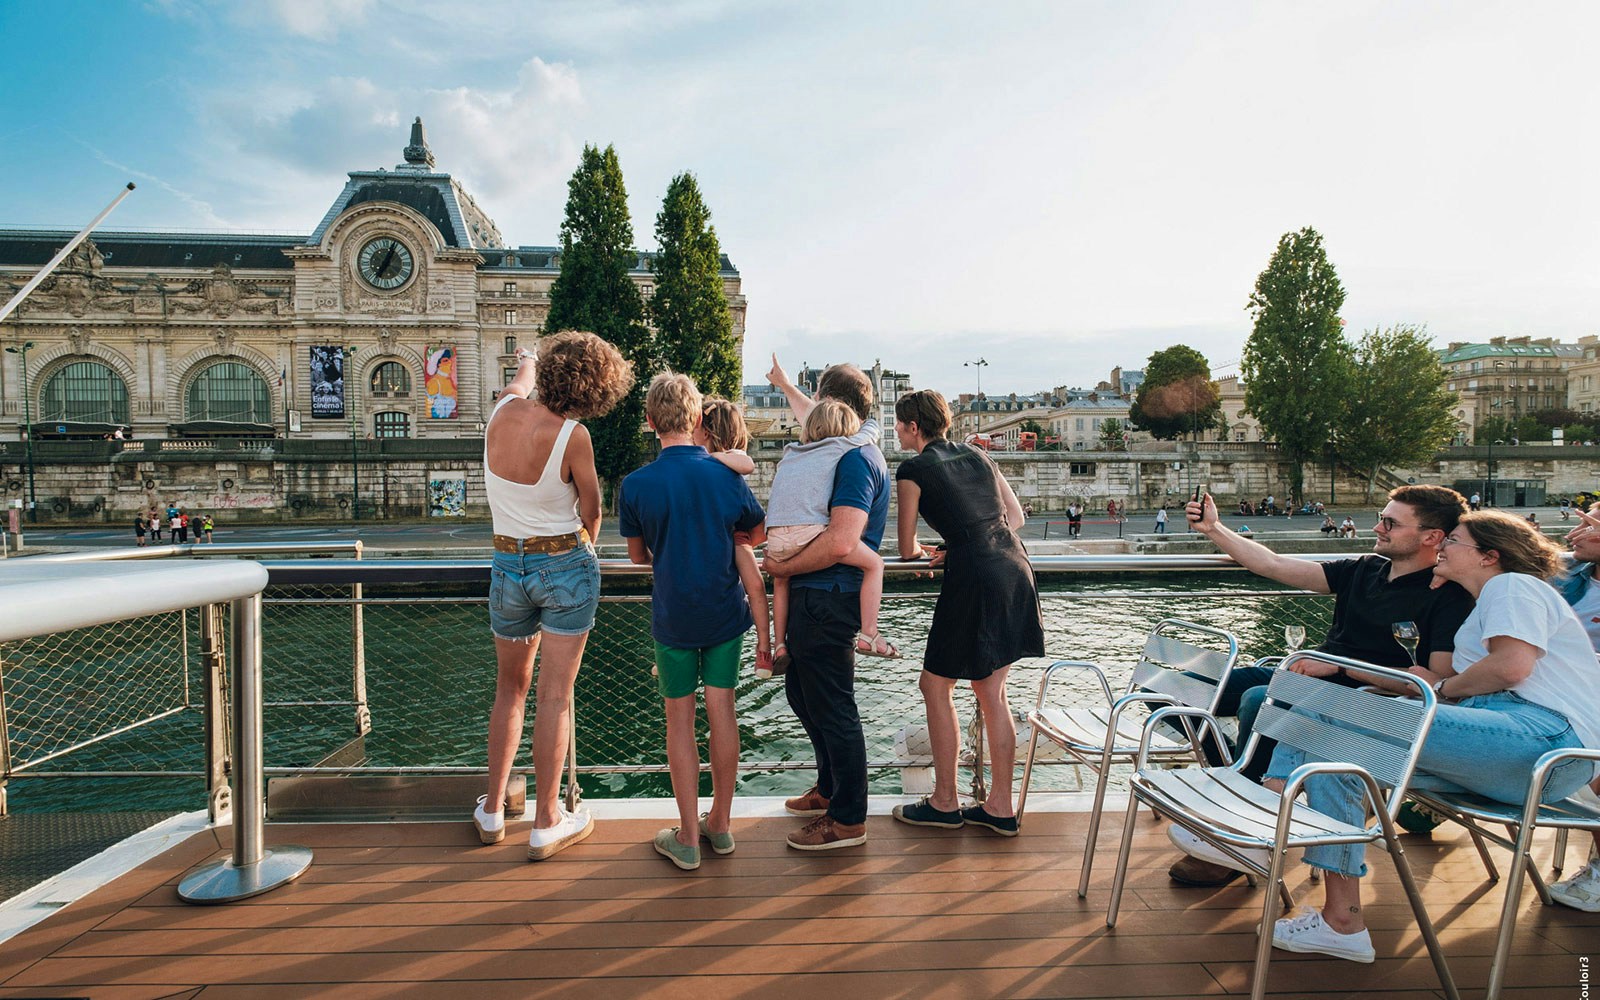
<point x="593" y="292"/>
<point x="1578" y="433"/>
<point x="1294" y="364"/>
<point x="1177" y="396"/>
<point x="694" y="332"/>
<point x="1556" y="416"/>
<point x="1404" y="413"/>
<point x="1492" y="430"/>
<point x="1111" y="434"/>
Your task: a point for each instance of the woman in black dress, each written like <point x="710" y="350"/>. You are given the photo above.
<point x="987" y="616"/>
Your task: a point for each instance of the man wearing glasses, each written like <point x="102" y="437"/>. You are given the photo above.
<point x="1372" y="594"/>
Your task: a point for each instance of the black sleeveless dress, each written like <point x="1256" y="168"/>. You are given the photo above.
<point x="987" y="616"/>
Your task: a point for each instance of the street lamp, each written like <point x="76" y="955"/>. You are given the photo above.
<point x="979" y="365"/>
<point x="27" y="428"/>
<point x="350" y="401"/>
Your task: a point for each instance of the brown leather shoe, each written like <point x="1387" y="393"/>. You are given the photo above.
<point x="810" y="804"/>
<point x="824" y="834"/>
<point x="1201" y="874"/>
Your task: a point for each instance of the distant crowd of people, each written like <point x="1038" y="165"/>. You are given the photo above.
<point x="148" y="525"/>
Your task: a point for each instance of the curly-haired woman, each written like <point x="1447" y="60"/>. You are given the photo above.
<point x="544" y="493"/>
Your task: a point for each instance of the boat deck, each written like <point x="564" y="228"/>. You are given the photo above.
<point x="423" y="910"/>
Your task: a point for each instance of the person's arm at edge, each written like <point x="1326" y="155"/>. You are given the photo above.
<point x="1014" y="515"/>
<point x="1252" y="555"/>
<point x="845" y="525"/>
<point x="638" y="552"/>
<point x="736" y="460"/>
<point x="580" y="462"/>
<point x="799" y="402"/>
<point x="909" y="496"/>
<point x="522" y="384"/>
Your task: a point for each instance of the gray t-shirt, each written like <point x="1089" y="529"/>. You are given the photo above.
<point x="804" y="480"/>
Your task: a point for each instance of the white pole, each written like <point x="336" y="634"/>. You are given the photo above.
<point x="34" y="282"/>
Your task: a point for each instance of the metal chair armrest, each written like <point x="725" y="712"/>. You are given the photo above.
<point x="1176" y="711"/>
<point x="1541" y="771"/>
<point x="1134" y="698"/>
<point x="1059" y="665"/>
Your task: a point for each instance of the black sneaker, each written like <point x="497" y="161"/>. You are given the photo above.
<point x="922" y="813"/>
<point x="1005" y="826"/>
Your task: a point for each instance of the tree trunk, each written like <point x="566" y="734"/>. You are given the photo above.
<point x="1372" y="481"/>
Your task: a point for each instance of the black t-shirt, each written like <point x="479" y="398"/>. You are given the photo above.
<point x="1367" y="604"/>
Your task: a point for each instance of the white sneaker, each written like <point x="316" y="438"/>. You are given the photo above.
<point x="1582" y="890"/>
<point x="491" y="826"/>
<point x="574" y="826"/>
<point x="1193" y="846"/>
<point x="1307" y="933"/>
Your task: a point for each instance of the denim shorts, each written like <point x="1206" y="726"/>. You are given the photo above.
<point x="531" y="591"/>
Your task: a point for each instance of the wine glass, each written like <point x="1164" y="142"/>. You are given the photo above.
<point x="1406" y="634"/>
<point x="1294" y="636"/>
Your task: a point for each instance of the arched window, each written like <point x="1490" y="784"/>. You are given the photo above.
<point x="84" y="392"/>
<point x="391" y="379"/>
<point x="391" y="424"/>
<point x="229" y="392"/>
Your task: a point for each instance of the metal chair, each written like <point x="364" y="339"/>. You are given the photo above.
<point x="1520" y="821"/>
<point x="1174" y="669"/>
<point x="1379" y="737"/>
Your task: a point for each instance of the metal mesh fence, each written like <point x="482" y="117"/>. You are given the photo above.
<point x="127" y="696"/>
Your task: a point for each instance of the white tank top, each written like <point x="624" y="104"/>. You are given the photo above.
<point x="547" y="507"/>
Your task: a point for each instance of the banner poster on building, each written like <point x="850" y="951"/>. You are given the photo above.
<point x="447" y="494"/>
<point x="441" y="375"/>
<point x="327" y="382"/>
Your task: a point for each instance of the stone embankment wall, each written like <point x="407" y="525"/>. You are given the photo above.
<point x="277" y="481"/>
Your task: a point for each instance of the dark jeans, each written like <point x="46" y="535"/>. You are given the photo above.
<point x="821" y="686"/>
<point x="1235" y="702"/>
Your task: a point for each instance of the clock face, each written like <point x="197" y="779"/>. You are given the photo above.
<point x="385" y="263"/>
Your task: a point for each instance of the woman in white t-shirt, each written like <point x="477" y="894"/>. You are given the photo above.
<point x="1580" y="585"/>
<point x="1526" y="682"/>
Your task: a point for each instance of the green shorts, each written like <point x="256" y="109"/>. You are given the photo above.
<point x="679" y="672"/>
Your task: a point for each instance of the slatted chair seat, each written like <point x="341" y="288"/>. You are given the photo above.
<point x="1181" y="664"/>
<point x="1341" y="730"/>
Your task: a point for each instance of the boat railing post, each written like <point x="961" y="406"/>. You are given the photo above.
<point x="5" y="741"/>
<point x="252" y="869"/>
<point x="358" y="655"/>
<point x="213" y="656"/>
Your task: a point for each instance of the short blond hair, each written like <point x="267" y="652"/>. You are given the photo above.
<point x="830" y="418"/>
<point x="672" y="404"/>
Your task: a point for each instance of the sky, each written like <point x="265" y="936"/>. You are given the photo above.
<point x="1055" y="188"/>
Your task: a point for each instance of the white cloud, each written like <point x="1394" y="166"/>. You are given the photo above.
<point x="318" y="19"/>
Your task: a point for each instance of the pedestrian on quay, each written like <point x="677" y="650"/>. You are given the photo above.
<point x="155" y="525"/>
<point x="180" y="529"/>
<point x="1161" y="520"/>
<point x="679" y="515"/>
<point x="1074" y="519"/>
<point x="139" y="528"/>
<point x="544" y="583"/>
<point x="206" y="526"/>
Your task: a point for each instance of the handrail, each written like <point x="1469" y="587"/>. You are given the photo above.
<point x="196" y="549"/>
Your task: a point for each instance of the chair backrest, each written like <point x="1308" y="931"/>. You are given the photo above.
<point x="1332" y="722"/>
<point x="1185" y="661"/>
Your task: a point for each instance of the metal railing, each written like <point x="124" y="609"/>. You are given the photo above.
<point x="385" y="667"/>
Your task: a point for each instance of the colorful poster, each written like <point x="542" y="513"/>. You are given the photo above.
<point x="441" y="375"/>
<point x="327" y="382"/>
<point x="447" y="495"/>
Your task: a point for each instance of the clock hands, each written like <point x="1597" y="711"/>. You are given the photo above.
<point x="383" y="266"/>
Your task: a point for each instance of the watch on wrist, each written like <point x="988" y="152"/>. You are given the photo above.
<point x="1438" y="688"/>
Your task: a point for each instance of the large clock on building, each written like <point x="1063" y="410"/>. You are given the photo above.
<point x="385" y="263"/>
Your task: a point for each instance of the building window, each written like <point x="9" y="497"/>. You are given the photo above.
<point x="508" y="374"/>
<point x="1080" y="469"/>
<point x="391" y="379"/>
<point x="391" y="424"/>
<point x="84" y="392"/>
<point x="510" y="346"/>
<point x="229" y="392"/>
<point x="1079" y="423"/>
<point x="511" y="316"/>
<point x="510" y="287"/>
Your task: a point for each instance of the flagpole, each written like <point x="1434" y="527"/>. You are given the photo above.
<point x="61" y="255"/>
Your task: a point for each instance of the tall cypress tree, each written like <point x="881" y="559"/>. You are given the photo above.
<point x="694" y="332"/>
<point x="593" y="292"/>
<point x="1296" y="364"/>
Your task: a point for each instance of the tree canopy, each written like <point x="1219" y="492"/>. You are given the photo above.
<point x="694" y="332"/>
<point x="593" y="292"/>
<point x="1177" y="396"/>
<point x="1294" y="364"/>
<point x="1404" y="413"/>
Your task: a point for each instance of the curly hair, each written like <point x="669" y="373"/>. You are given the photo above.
<point x="927" y="409"/>
<point x="580" y="375"/>
<point x="672" y="403"/>
<point x="1521" y="546"/>
<point x="723" y="423"/>
<point x="830" y="418"/>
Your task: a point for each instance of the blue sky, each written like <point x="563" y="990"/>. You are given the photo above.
<point x="1057" y="187"/>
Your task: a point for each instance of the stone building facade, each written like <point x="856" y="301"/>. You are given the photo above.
<point x="396" y="318"/>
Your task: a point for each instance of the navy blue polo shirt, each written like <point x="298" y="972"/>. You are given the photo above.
<point x="686" y="506"/>
<point x="861" y="480"/>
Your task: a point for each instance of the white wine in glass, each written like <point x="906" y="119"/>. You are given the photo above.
<point x="1406" y="634"/>
<point x="1294" y="636"/>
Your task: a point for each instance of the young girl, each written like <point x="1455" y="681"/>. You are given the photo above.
<point x="798" y="513"/>
<point x="722" y="433"/>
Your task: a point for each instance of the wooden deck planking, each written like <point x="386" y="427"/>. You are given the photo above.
<point x="419" y="910"/>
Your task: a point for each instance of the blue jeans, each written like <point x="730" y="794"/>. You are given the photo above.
<point x="531" y="591"/>
<point x="1486" y="745"/>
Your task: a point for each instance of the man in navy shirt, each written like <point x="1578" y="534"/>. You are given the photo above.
<point x="679" y="514"/>
<point x="824" y="617"/>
